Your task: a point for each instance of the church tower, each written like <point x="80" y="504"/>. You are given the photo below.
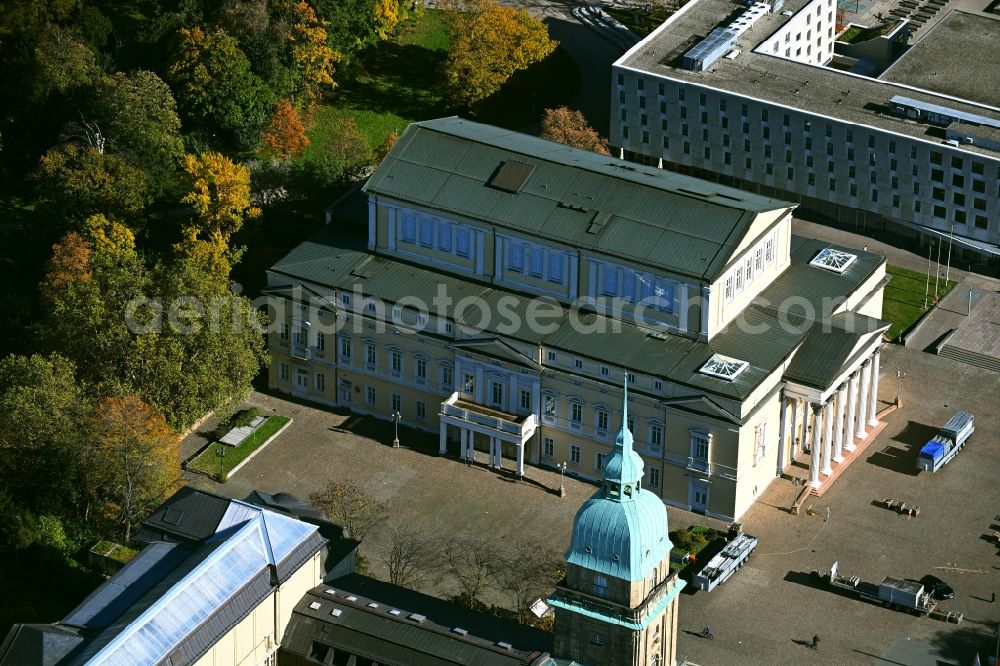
<point x="618" y="602"/>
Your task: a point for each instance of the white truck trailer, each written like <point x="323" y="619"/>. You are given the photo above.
<point x="895" y="593"/>
<point x="938" y="452"/>
<point x="723" y="565"/>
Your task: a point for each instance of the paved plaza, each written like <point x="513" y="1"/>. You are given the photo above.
<point x="768" y="610"/>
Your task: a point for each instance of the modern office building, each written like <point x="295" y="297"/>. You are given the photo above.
<point x="890" y="125"/>
<point x="507" y="286"/>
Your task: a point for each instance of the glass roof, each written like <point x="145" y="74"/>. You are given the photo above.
<point x="833" y="260"/>
<point x="723" y="367"/>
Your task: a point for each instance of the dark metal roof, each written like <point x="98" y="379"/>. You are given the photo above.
<point x="828" y="351"/>
<point x="787" y="309"/>
<point x="38" y="645"/>
<point x="649" y="216"/>
<point x="189" y="515"/>
<point x="423" y="631"/>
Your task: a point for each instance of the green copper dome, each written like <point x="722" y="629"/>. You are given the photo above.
<point x="621" y="530"/>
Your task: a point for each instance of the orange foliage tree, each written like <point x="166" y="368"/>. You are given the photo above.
<point x="137" y="455"/>
<point x="285" y="135"/>
<point x="569" y="127"/>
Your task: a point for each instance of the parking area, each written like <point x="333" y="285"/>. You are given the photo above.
<point x="768" y="611"/>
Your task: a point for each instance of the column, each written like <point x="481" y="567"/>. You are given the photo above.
<point x="520" y="459"/>
<point x="814" y="447"/>
<point x="493" y="452"/>
<point x="852" y="403"/>
<point x="873" y="400"/>
<point x="827" y="436"/>
<point x="801" y="430"/>
<point x="782" y="432"/>
<point x="859" y="427"/>
<point x="838" y="427"/>
<point x="443" y="440"/>
<point x="499" y="463"/>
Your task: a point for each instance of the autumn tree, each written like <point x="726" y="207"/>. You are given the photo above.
<point x="489" y="43"/>
<point x="390" y="140"/>
<point x="386" y="17"/>
<point x="312" y="55"/>
<point x="215" y="87"/>
<point x="138" y="457"/>
<point x="285" y="135"/>
<point x="219" y="194"/>
<point x="569" y="127"/>
<point x="351" y="507"/>
<point x="528" y="573"/>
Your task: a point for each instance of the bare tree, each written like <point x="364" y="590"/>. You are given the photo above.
<point x="351" y="507"/>
<point x="410" y="556"/>
<point x="527" y="573"/>
<point x="475" y="563"/>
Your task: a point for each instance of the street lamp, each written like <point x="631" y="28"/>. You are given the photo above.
<point x="562" y="477"/>
<point x="395" y="419"/>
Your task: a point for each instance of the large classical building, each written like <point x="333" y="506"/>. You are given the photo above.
<point x="507" y="286"/>
<point x="893" y="124"/>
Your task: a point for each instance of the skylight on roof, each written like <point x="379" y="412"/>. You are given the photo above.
<point x="833" y="260"/>
<point x="723" y="367"/>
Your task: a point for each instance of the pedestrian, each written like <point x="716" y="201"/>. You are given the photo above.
<point x="815" y="643"/>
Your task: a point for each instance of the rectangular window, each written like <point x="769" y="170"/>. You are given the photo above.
<point x="550" y="406"/>
<point x="345" y="350"/>
<point x="408" y="231"/>
<point x="320" y="382"/>
<point x="464" y="240"/>
<point x="602" y="420"/>
<point x="321" y="342"/>
<point x="548" y="447"/>
<point x="421" y="370"/>
<point x="574" y="454"/>
<point x="596" y="639"/>
<point x="657" y="385"/>
<point x="283" y="332"/>
<point x="576" y="413"/>
<point x="516" y="257"/>
<point x="370" y="395"/>
<point x="496" y="394"/>
<point x="551" y="356"/>
<point x="444" y="237"/>
<point x="427" y="233"/>
<point x="610" y="281"/>
<point x="421" y="410"/>
<point x="653" y="477"/>
<point x="283" y="372"/>
<point x="556" y="267"/>
<point x="447" y="376"/>
<point x="598" y="461"/>
<point x="604" y="371"/>
<point x="525" y="401"/>
<point x="700" y="445"/>
<point x="469" y="383"/>
<point x="578" y="364"/>
<point x="655" y="435"/>
<point x="395" y="402"/>
<point x="371" y="356"/>
<point x="537" y="257"/>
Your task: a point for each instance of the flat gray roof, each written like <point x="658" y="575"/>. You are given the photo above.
<point x="823" y="90"/>
<point x="935" y="62"/>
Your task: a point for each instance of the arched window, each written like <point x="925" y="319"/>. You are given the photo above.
<point x="600" y="587"/>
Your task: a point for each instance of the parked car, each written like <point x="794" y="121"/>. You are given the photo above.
<point x="936" y="586"/>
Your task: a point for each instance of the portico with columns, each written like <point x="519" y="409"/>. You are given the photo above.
<point x="830" y="398"/>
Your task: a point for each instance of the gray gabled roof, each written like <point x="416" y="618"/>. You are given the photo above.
<point x="38" y="645"/>
<point x="573" y="197"/>
<point x="828" y="351"/>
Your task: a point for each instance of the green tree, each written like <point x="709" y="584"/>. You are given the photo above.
<point x="41" y="407"/>
<point x="489" y="43"/>
<point x="215" y="88"/>
<point x="138" y="117"/>
<point x="78" y="181"/>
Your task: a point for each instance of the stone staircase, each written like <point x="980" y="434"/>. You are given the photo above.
<point x="970" y="357"/>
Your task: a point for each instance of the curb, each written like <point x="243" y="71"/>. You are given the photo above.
<point x="258" y="449"/>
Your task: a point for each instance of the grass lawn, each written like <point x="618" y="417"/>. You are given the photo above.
<point x="208" y="461"/>
<point x="114" y="551"/>
<point x="401" y="83"/>
<point x="903" y="300"/>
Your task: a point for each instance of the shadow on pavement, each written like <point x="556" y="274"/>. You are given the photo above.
<point x="904" y="460"/>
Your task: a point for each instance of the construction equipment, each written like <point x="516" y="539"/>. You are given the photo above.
<point x="938" y="452"/>
<point x="723" y="565"/>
